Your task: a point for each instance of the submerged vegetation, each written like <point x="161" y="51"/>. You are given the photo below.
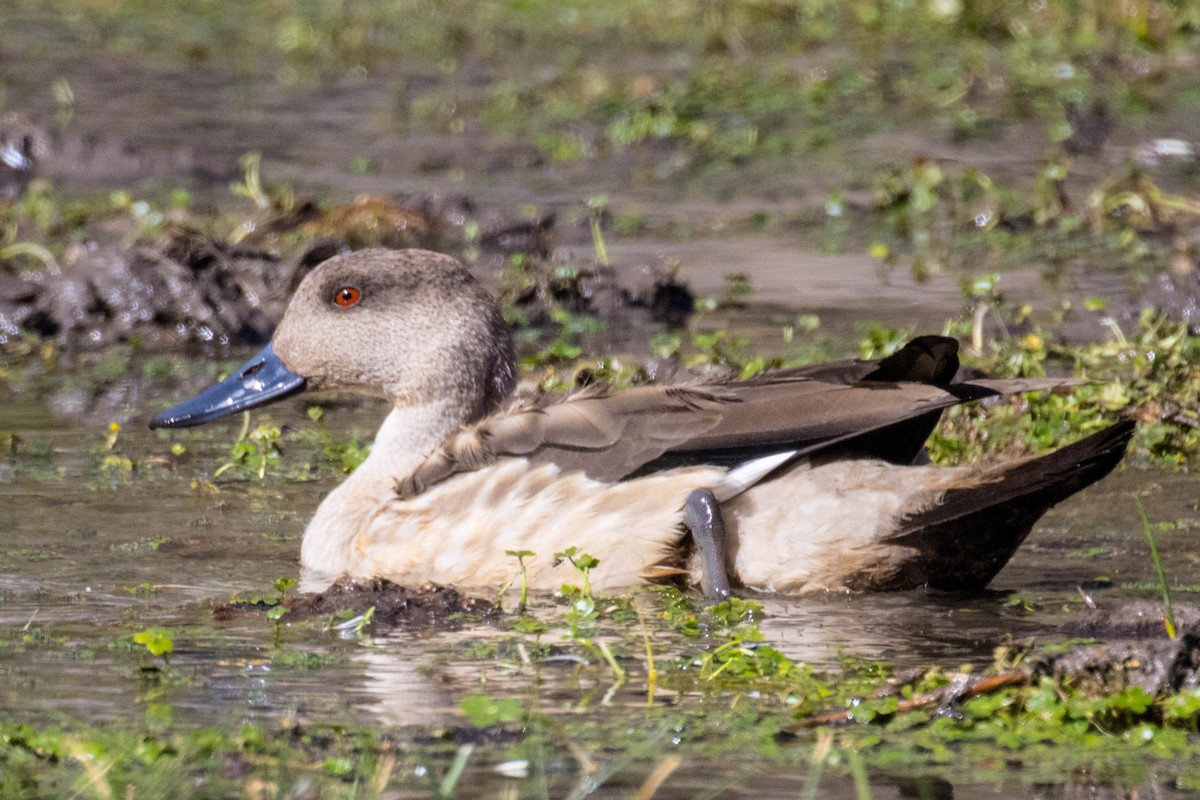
<point x="714" y="689"/>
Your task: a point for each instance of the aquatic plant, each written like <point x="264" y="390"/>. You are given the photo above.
<point x="582" y="617"/>
<point x="253" y="449"/>
<point x="158" y="642"/>
<point x="520" y="555"/>
<point x="1168" y="609"/>
<point x="582" y="562"/>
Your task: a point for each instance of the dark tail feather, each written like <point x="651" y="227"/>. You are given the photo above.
<point x="971" y="535"/>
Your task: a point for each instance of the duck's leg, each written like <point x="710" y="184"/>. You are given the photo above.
<point x="702" y="514"/>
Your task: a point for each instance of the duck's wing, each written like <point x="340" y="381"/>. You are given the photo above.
<point x="872" y="418"/>
<point x="613" y="435"/>
<point x="924" y="359"/>
<point x="604" y="434"/>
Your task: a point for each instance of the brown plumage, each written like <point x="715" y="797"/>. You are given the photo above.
<point x="611" y="436"/>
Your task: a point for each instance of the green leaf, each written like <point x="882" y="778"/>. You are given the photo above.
<point x="484" y="711"/>
<point x="156" y="640"/>
<point x="338" y="766"/>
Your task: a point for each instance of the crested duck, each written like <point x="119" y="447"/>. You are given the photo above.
<point x="793" y="481"/>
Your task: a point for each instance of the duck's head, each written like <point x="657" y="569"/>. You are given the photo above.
<point x="409" y="325"/>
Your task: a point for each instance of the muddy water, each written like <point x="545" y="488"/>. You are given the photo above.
<point x="89" y="557"/>
<point x="139" y="122"/>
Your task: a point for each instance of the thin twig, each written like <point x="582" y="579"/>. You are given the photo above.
<point x="947" y="694"/>
<point x="657" y="777"/>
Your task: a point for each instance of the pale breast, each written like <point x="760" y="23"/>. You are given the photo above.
<point x="460" y="531"/>
<point x="807" y="529"/>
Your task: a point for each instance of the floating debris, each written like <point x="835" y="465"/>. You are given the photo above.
<point x="392" y="604"/>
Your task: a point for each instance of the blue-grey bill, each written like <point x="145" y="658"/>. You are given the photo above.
<point x="261" y="380"/>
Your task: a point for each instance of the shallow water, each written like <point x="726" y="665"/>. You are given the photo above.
<point x="89" y="558"/>
<point x="141" y="119"/>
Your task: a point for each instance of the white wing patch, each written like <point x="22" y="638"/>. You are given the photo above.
<point x="743" y="476"/>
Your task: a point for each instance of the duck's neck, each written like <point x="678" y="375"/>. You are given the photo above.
<point x="406" y="438"/>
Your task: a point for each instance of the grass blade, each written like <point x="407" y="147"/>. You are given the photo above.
<point x="1162" y="578"/>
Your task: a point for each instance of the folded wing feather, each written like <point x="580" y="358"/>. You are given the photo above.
<point x="610" y="436"/>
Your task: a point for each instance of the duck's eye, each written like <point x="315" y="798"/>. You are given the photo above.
<point x="347" y="296"/>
